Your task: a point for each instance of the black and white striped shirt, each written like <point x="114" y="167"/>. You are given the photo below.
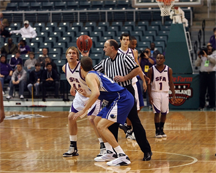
<point x="120" y="66"/>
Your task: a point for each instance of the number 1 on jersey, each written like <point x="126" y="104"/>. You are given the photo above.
<point x="160" y="85"/>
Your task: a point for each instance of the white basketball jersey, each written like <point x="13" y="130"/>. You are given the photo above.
<point x="129" y="53"/>
<point x="75" y="79"/>
<point x="160" y="81"/>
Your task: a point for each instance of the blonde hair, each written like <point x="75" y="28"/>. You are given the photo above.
<point x="73" y="48"/>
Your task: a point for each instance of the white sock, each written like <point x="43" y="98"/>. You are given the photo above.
<point x="108" y="146"/>
<point x="73" y="137"/>
<point x="119" y="150"/>
<point x="100" y="140"/>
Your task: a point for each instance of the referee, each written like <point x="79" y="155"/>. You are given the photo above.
<point x="122" y="69"/>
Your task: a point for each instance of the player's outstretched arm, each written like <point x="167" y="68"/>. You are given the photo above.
<point x="171" y="84"/>
<point x="93" y="84"/>
<point x="2" y="114"/>
<point x="149" y="85"/>
<point x="141" y="74"/>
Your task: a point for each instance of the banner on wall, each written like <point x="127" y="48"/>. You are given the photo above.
<point x="186" y="91"/>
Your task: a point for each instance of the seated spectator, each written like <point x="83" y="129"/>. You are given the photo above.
<point x="10" y="48"/>
<point x="212" y="39"/>
<point x="35" y="79"/>
<point x="27" y="31"/>
<point x="15" y="60"/>
<point x="4" y="32"/>
<point x="3" y="21"/>
<point x="5" y="71"/>
<point x="29" y="63"/>
<point x="154" y="52"/>
<point x="19" y="77"/>
<point x="49" y="78"/>
<point x="42" y="57"/>
<point x="23" y="48"/>
<point x="48" y="60"/>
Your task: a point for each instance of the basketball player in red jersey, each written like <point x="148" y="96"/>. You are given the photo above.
<point x="161" y="81"/>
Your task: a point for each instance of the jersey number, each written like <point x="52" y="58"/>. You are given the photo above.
<point x="160" y="85"/>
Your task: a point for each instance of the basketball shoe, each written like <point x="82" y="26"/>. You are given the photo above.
<point x="106" y="157"/>
<point x="122" y="160"/>
<point x="130" y="135"/>
<point x="71" y="152"/>
<point x="163" y="135"/>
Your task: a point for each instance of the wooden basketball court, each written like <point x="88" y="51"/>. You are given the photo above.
<point x="36" y="145"/>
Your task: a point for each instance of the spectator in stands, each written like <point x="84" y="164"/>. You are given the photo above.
<point x="10" y="48"/>
<point x="206" y="60"/>
<point x="50" y="78"/>
<point x="15" y="60"/>
<point x="23" y="48"/>
<point x="48" y="60"/>
<point x="35" y="79"/>
<point x="146" y="62"/>
<point x="3" y="21"/>
<point x="212" y="39"/>
<point x="42" y="57"/>
<point x="27" y="31"/>
<point x="5" y="71"/>
<point x="154" y="52"/>
<point x="4" y="32"/>
<point x="19" y="77"/>
<point x="29" y="63"/>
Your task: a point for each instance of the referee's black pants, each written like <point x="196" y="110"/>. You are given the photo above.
<point x="207" y="81"/>
<point x="138" y="129"/>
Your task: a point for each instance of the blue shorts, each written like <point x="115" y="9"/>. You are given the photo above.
<point x="118" y="109"/>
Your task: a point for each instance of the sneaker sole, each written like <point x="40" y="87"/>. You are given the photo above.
<point x="71" y="155"/>
<point x="158" y="136"/>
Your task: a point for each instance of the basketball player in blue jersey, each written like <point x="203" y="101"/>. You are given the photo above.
<point x="72" y="71"/>
<point x="119" y="102"/>
<point x="161" y="81"/>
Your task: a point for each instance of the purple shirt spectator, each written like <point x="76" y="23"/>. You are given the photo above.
<point x="212" y="41"/>
<point x="145" y="64"/>
<point x="25" y="49"/>
<point x="14" y="61"/>
<point x="5" y="69"/>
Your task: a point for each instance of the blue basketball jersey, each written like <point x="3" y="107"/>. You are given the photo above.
<point x="109" y="90"/>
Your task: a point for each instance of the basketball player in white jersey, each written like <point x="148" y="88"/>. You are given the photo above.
<point x="78" y="84"/>
<point x="125" y="41"/>
<point x="158" y="90"/>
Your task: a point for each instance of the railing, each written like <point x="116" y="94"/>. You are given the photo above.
<point x="91" y="11"/>
<point x="203" y="31"/>
<point x="209" y="6"/>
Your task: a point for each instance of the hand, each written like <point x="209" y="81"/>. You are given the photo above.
<point x="148" y="81"/>
<point x="205" y="55"/>
<point x="173" y="100"/>
<point x="151" y="100"/>
<point x="144" y="86"/>
<point x="2" y="115"/>
<point x="146" y="56"/>
<point x="79" y="114"/>
<point x="83" y="53"/>
<point x="72" y="91"/>
<point x="119" y="78"/>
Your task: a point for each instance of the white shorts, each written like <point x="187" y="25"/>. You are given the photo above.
<point x="160" y="102"/>
<point x="79" y="104"/>
<point x="136" y="94"/>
